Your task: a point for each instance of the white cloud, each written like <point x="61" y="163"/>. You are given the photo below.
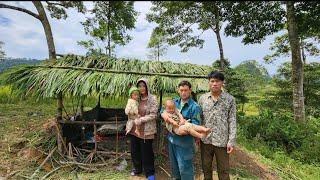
<point x="23" y="34"/>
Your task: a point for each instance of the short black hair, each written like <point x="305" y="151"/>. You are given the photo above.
<point x="216" y="75"/>
<point x="185" y="83"/>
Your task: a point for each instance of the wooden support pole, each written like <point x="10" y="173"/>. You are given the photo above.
<point x="95" y="136"/>
<point x="123" y="72"/>
<point x="117" y="137"/>
<point x="91" y="122"/>
<point x="159" y="128"/>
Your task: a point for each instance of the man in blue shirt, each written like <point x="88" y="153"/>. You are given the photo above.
<point x="181" y="147"/>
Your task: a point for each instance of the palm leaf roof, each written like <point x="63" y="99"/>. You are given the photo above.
<point x="83" y="75"/>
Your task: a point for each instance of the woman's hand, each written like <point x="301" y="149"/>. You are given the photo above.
<point x="137" y="122"/>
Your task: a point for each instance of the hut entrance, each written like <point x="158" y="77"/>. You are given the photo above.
<point x="97" y="130"/>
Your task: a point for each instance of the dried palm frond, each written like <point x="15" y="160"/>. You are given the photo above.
<point x="80" y="76"/>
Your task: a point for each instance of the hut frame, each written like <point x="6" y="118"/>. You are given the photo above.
<point x="33" y="79"/>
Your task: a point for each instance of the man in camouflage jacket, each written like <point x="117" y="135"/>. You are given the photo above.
<point x="219" y="114"/>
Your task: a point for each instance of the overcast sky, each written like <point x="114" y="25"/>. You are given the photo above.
<point x="23" y="36"/>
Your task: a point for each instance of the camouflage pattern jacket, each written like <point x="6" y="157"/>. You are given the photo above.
<point x="220" y="116"/>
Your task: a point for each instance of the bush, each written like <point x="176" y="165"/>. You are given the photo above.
<point x="310" y="148"/>
<point x="281" y="132"/>
<point x="280" y="99"/>
<point x="7" y="95"/>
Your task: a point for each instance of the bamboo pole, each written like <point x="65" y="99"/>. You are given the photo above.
<point x="95" y="136"/>
<point x="44" y="161"/>
<point x="117" y="137"/>
<point x="81" y="117"/>
<point x="123" y="72"/>
<point x="159" y="128"/>
<point x="111" y="153"/>
<point x="81" y="107"/>
<point x="62" y="147"/>
<point x="91" y="122"/>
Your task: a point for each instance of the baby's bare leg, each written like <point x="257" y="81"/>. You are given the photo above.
<point x="188" y="129"/>
<point x="196" y="130"/>
<point x="181" y="130"/>
<point x="194" y="133"/>
<point x="200" y="128"/>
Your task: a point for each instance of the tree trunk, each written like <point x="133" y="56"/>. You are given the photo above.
<point x="297" y="65"/>
<point x="158" y="51"/>
<point x="217" y="32"/>
<point x="60" y="141"/>
<point x="47" y="29"/>
<point x="52" y="55"/>
<point x="220" y="50"/>
<point x="303" y="55"/>
<point x="51" y="48"/>
<point x="109" y="40"/>
<point x="20" y="9"/>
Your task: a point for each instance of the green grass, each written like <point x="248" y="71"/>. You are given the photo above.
<point x="64" y="174"/>
<point x="21" y="122"/>
<point x="241" y="174"/>
<point x="21" y="127"/>
<point x="279" y="161"/>
<point x="284" y="166"/>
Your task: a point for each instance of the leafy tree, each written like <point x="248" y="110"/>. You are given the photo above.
<point x="280" y="100"/>
<point x="110" y="21"/>
<point x="297" y="65"/>
<point x="57" y="9"/>
<point x="7" y="63"/>
<point x="234" y="82"/>
<point x="235" y="85"/>
<point x="157" y="44"/>
<point x="178" y="19"/>
<point x="254" y="74"/>
<point x="281" y="47"/>
<point x="255" y="20"/>
<point x="90" y="46"/>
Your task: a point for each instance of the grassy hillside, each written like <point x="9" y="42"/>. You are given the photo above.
<point x="8" y="63"/>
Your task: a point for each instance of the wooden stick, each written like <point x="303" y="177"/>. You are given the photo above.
<point x="88" y="169"/>
<point x="114" y="160"/>
<point x="117" y="137"/>
<point x="101" y="158"/>
<point x="92" y="122"/>
<point x="48" y="174"/>
<point x="122" y="72"/>
<point x="84" y="164"/>
<point x="11" y="174"/>
<point x="162" y="153"/>
<point x="165" y="171"/>
<point x="60" y="136"/>
<point x="66" y="112"/>
<point x="70" y="152"/>
<point x="95" y="135"/>
<point x="26" y="177"/>
<point x="104" y="152"/>
<point x="77" y="150"/>
<point x="44" y="161"/>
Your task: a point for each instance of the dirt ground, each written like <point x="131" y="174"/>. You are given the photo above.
<point x="243" y="165"/>
<point x="239" y="160"/>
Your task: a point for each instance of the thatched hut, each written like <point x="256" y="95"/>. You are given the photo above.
<point x="81" y="76"/>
